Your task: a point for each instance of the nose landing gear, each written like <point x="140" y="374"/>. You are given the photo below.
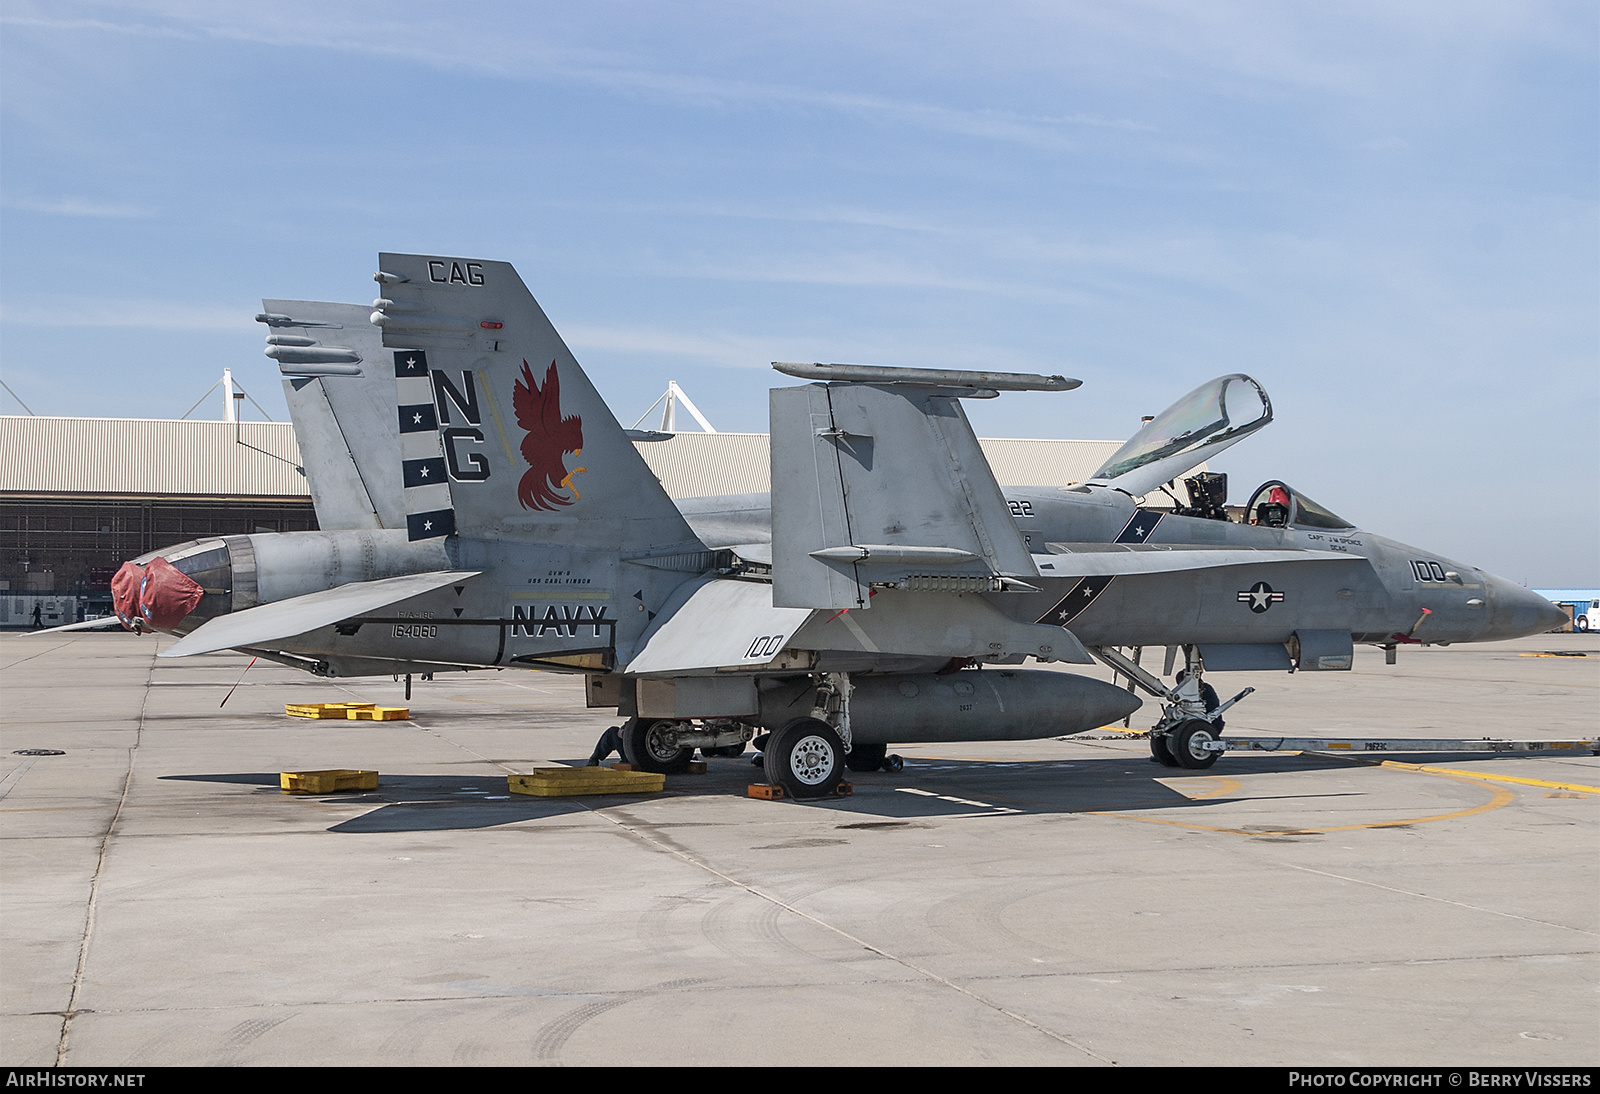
<point x="1188" y="734"/>
<point x="1186" y="744"/>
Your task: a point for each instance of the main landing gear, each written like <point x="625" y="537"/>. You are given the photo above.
<point x="651" y="744"/>
<point x="808" y="757"/>
<point x="666" y="745"/>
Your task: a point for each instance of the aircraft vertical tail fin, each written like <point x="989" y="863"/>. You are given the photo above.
<point x="492" y="400"/>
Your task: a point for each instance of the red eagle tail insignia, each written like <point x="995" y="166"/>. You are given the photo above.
<point x="550" y="437"/>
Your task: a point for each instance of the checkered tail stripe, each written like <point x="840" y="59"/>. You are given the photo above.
<point x="429" y="512"/>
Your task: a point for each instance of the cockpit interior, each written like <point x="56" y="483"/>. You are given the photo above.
<point x="1276" y="504"/>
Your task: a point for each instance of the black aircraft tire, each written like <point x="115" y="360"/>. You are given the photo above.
<point x="1183" y="741"/>
<point x="643" y="748"/>
<point x="806" y="758"/>
<point x="729" y="752"/>
<point x="1160" y="752"/>
<point x="893" y="762"/>
<point x="866" y="757"/>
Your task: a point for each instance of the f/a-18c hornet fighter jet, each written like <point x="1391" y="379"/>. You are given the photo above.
<point x="893" y="570"/>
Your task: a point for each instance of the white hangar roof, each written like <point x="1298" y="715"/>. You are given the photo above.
<point x="149" y="458"/>
<point x="162" y="458"/>
<point x="692" y="465"/>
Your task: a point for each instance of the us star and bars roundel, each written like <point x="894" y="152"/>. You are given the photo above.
<point x="1260" y="597"/>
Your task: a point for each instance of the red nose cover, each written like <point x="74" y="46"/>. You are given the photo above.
<point x="125" y="592"/>
<point x="166" y="594"/>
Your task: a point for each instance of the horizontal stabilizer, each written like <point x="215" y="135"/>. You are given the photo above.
<point x="722" y="623"/>
<point x="1112" y="559"/>
<point x="300" y="614"/>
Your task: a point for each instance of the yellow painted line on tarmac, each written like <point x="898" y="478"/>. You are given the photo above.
<point x="1501" y="797"/>
<point x="1229" y="785"/>
<point x="1487" y="680"/>
<point x="1460" y="773"/>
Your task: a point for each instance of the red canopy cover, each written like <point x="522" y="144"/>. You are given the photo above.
<point x="125" y="592"/>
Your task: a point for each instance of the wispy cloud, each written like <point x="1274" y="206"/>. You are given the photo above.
<point x="1353" y="50"/>
<point x="79" y="207"/>
<point x="138" y="314"/>
<point x="43" y="22"/>
<point x="722" y="349"/>
<point x="457" y="45"/>
<point x="860" y="270"/>
<point x="748" y="351"/>
<point x="1049" y="131"/>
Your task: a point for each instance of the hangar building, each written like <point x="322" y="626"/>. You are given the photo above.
<point x="79" y="496"/>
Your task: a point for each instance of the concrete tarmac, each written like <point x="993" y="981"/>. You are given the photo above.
<point x="1043" y="902"/>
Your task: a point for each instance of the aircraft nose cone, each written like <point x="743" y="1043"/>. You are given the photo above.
<point x="1551" y="616"/>
<point x="1519" y="612"/>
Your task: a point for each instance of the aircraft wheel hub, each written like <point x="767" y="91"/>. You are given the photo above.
<point x="805" y="757"/>
<point x="654" y="746"/>
<point x="1187" y="744"/>
<point x="662" y="743"/>
<point x="813" y="760"/>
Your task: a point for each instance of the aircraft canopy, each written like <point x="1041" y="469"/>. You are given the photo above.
<point x="1278" y="505"/>
<point x="1213" y="416"/>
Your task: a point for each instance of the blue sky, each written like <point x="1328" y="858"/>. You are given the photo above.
<point x="1386" y="213"/>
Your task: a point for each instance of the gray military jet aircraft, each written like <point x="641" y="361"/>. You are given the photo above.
<point x="891" y="559"/>
<point x="1100" y="517"/>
